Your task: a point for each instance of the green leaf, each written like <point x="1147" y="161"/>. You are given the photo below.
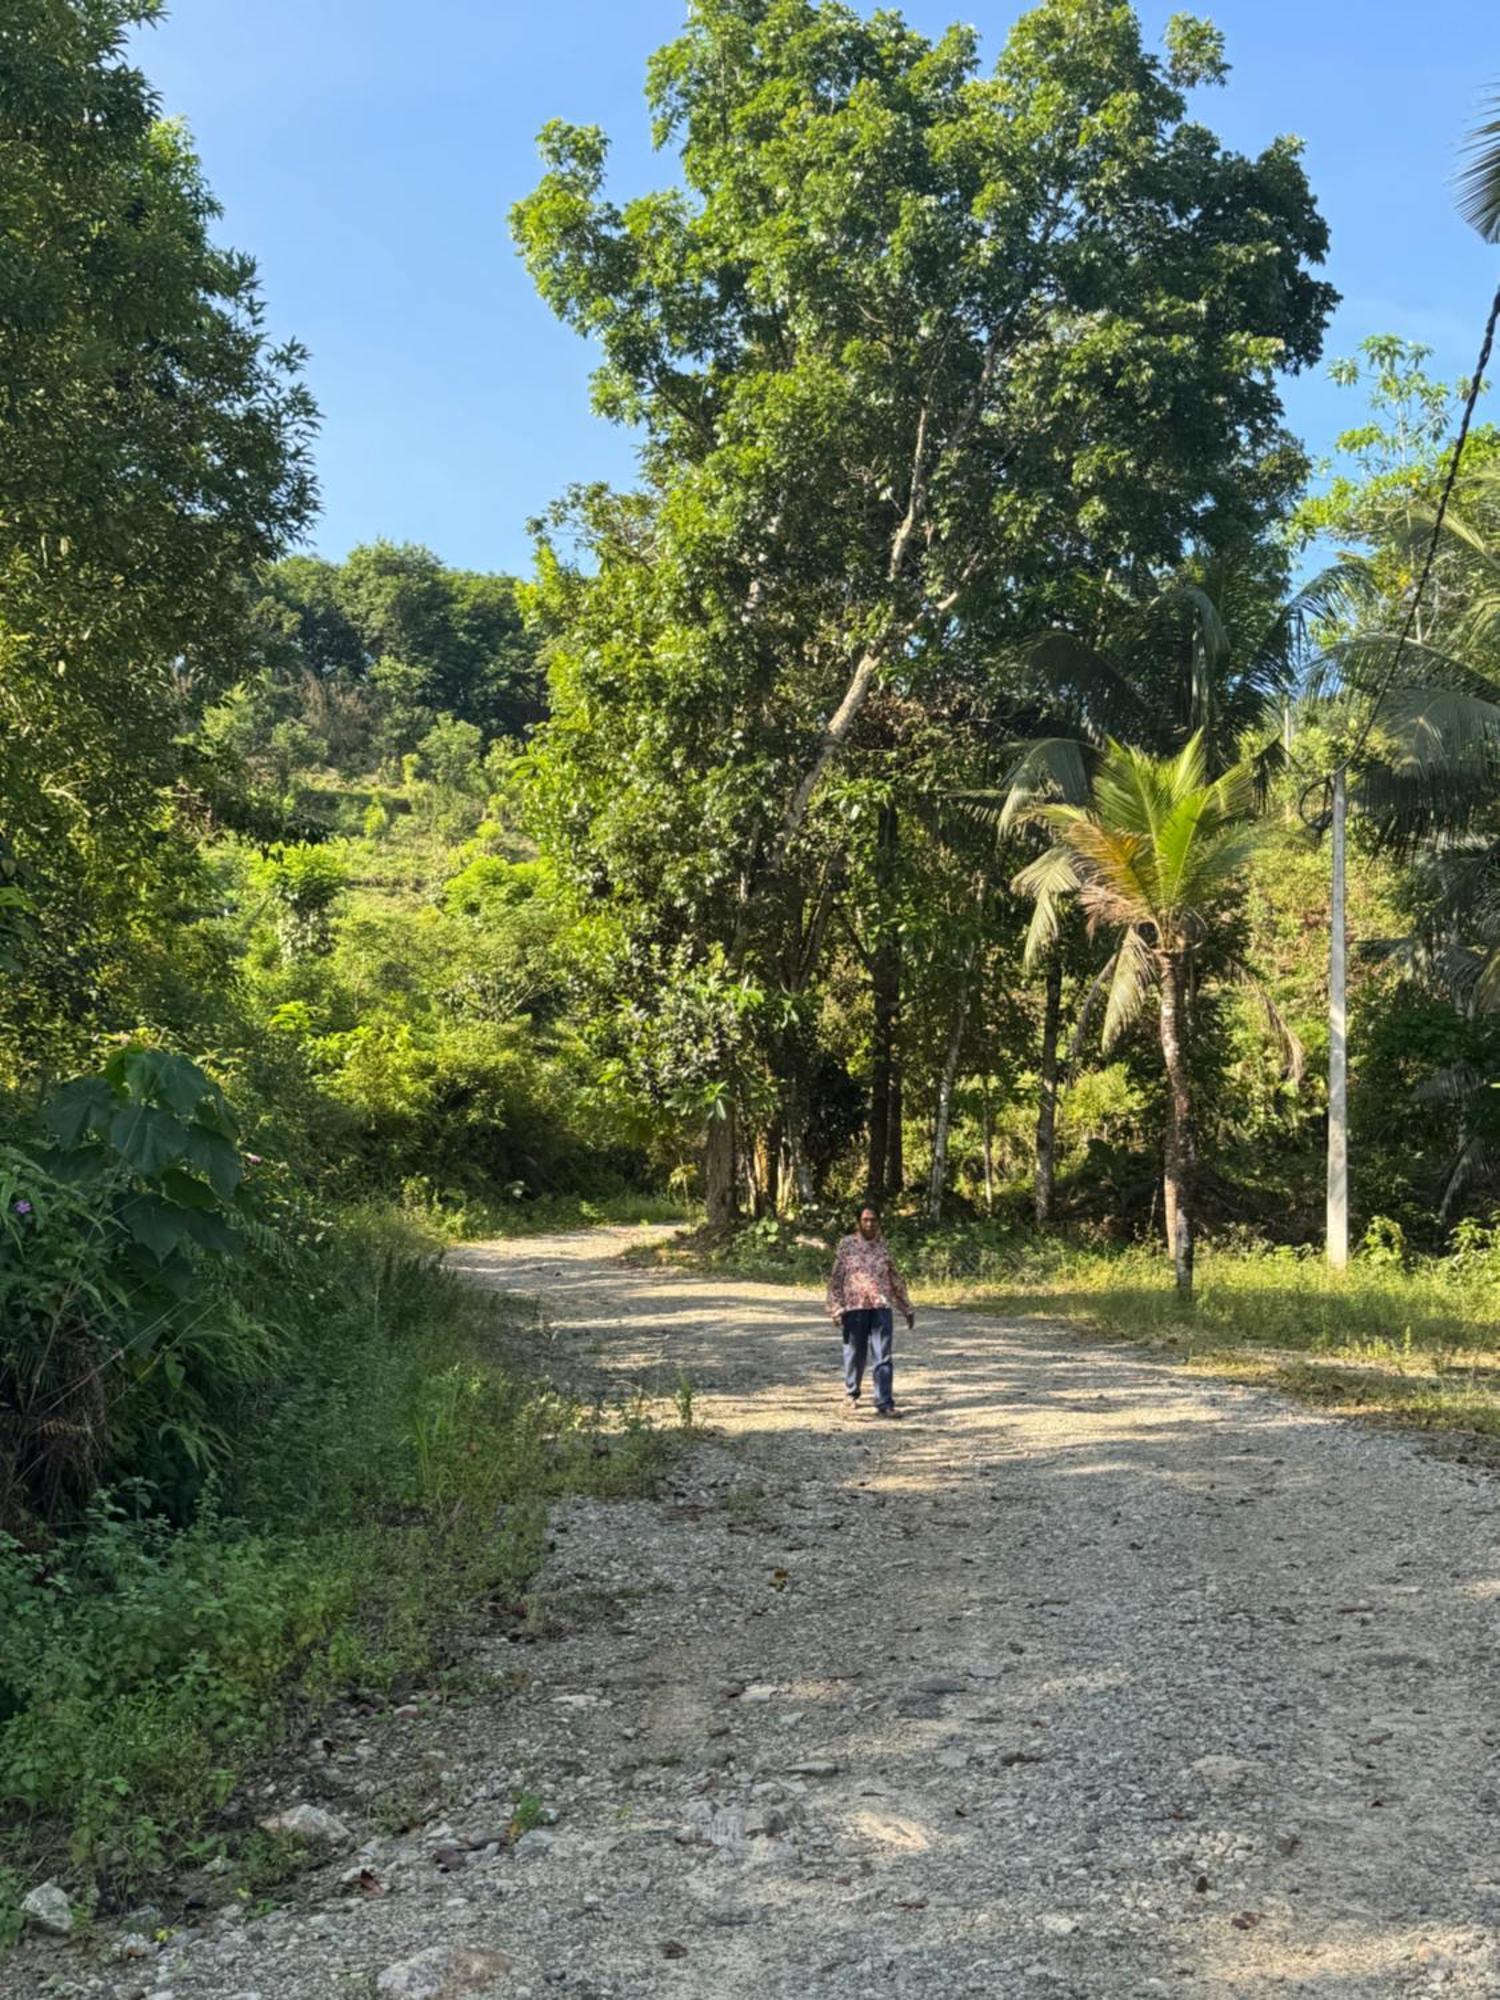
<point x="86" y="1105"/>
<point x="211" y="1232"/>
<point x="182" y="1086"/>
<point x="78" y="1165"/>
<point x="215" y="1155"/>
<point x="158" y="1226"/>
<point x="147" y="1139"/>
<point x="187" y="1192"/>
<point x="157" y="1074"/>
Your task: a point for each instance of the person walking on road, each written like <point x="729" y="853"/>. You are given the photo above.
<point x="864" y="1294"/>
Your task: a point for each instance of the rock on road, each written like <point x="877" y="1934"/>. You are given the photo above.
<point x="1090" y="1678"/>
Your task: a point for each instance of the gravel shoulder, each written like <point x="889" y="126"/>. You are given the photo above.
<point x="1089" y="1678"/>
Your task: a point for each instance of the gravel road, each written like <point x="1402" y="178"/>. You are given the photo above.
<point x="1090" y="1678"/>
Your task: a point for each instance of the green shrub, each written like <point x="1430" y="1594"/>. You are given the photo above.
<point x="386" y="1474"/>
<point x="112" y="1320"/>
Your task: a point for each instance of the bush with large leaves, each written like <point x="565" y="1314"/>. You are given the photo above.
<point x="114" y="1331"/>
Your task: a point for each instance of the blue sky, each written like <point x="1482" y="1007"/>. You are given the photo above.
<point x="367" y="153"/>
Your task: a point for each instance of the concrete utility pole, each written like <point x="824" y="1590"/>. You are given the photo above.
<point x="1338" y="1041"/>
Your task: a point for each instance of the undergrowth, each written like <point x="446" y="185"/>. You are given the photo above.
<point x="470" y="1218"/>
<point x="389" y="1475"/>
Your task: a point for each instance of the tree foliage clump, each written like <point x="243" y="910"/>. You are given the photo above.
<point x="368" y="653"/>
<point x="157" y="452"/>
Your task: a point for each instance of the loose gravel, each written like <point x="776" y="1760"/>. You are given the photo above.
<point x="1088" y="1679"/>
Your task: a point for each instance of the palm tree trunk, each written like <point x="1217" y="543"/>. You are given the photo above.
<point x="1046" y="1114"/>
<point x="1177" y="1180"/>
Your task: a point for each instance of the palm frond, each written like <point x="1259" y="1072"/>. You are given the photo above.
<point x="1085" y="679"/>
<point x="1363" y="665"/>
<point x="1342" y="594"/>
<point x="1487" y="986"/>
<point x="1472" y="1154"/>
<point x="1048" y="879"/>
<point x="1119" y="881"/>
<point x="1442" y="726"/>
<point x="1133" y="977"/>
<point x="1190" y="767"/>
<point x="1097" y="985"/>
<point x="1208" y="623"/>
<point x="1454" y="1084"/>
<point x="1263" y="767"/>
<point x="1478" y="192"/>
<point x="1131" y="789"/>
<point x="1046" y="770"/>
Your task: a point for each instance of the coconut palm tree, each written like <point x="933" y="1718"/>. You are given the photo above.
<point x="1151" y="857"/>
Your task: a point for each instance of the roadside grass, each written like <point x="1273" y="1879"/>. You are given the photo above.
<point x="473" y="1219"/>
<point x="1413" y="1343"/>
<point x="386" y="1488"/>
<point x="1395" y="1339"/>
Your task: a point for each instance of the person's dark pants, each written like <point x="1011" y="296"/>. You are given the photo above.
<point x="869" y="1334"/>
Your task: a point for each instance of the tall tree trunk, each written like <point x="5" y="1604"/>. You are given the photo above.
<point x="942" y="1122"/>
<point x="794" y="1184"/>
<point x="765" y="1158"/>
<point x="1338" y="1044"/>
<point x="989" y="1151"/>
<point x="895" y="1155"/>
<point x="721" y="1194"/>
<point x="1046" y="1111"/>
<point x="885" y="994"/>
<point x="1177" y="1180"/>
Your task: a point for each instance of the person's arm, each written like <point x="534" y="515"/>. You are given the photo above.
<point x="834" y="1303"/>
<point x="898" y="1290"/>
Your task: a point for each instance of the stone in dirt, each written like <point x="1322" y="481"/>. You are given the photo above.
<point x="442" y="1972"/>
<point x="312" y="1824"/>
<point x="49" y="1909"/>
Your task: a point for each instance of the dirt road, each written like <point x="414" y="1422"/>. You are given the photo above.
<point x="1090" y="1678"/>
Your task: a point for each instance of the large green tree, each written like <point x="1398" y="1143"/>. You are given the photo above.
<point x="910" y="346"/>
<point x="156" y="452"/>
